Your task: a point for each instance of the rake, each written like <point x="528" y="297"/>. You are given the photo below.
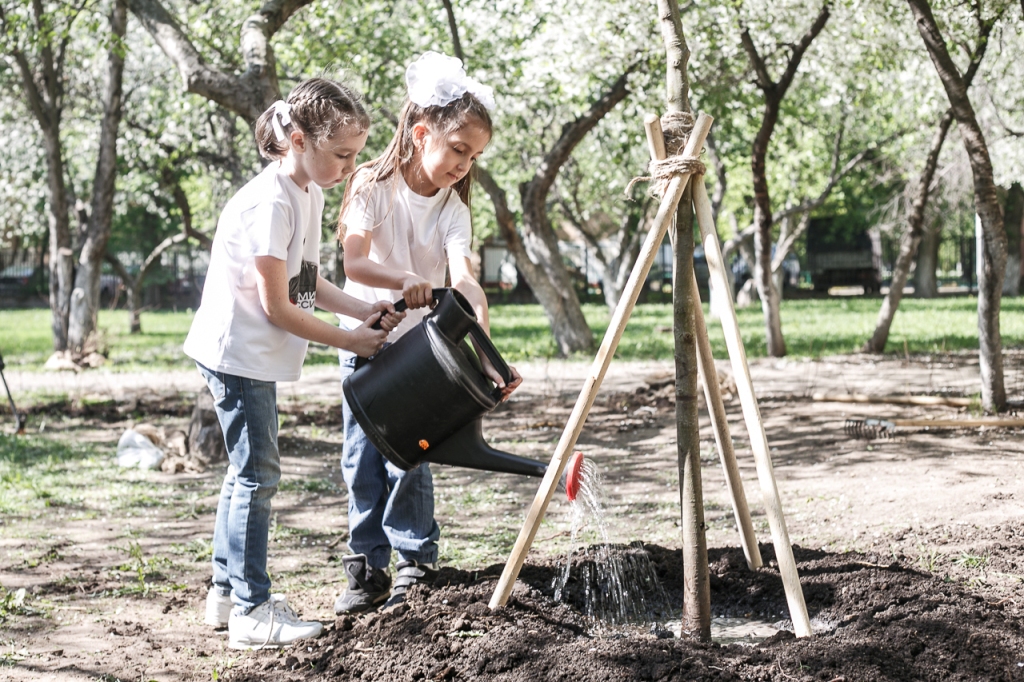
<point x="19" y="419"/>
<point x="871" y="429"/>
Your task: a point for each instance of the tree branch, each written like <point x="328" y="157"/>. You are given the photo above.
<point x="573" y="132"/>
<point x="246" y="94"/>
<point x="801" y="47"/>
<point x="454" y="27"/>
<point x="762" y="78"/>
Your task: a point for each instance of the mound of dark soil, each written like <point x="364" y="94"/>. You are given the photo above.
<point x="875" y="622"/>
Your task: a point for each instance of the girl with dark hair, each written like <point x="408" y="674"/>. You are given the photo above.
<point x="404" y="220"/>
<point x="252" y="330"/>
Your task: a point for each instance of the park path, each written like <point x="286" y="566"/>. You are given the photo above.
<point x="947" y="373"/>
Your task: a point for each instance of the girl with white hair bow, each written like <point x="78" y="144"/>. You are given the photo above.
<point x="405" y="218"/>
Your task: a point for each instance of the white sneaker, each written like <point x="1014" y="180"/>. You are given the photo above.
<point x="271" y="624"/>
<point x="218" y="608"/>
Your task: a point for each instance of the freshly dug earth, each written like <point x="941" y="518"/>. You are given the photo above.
<point x="104" y="571"/>
<point x="874" y="620"/>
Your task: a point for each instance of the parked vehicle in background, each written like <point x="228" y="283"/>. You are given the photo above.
<point x="843" y="255"/>
<point x="790" y="265"/>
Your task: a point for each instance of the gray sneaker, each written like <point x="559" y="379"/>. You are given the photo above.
<point x="410" y="573"/>
<point x="368" y="587"/>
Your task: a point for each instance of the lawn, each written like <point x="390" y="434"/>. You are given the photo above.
<point x="812" y="327"/>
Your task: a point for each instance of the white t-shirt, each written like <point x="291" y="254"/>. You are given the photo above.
<point x="408" y="232"/>
<point x="270" y="216"/>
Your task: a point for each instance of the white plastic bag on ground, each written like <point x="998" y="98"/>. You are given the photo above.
<point x="135" y="450"/>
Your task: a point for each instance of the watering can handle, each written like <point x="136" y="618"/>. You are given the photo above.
<point x="477" y="332"/>
<point x="401" y="306"/>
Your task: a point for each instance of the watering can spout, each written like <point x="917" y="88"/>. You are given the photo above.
<point x="466" y="448"/>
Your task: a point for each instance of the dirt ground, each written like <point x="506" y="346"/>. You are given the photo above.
<point x="910" y="549"/>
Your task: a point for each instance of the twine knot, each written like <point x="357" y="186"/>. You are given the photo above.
<point x="676" y="127"/>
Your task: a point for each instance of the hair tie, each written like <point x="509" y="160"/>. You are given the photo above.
<point x="282" y="110"/>
<point x="437" y="80"/>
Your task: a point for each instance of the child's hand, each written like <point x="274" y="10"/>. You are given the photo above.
<point x="389" y="319"/>
<point x="366" y="341"/>
<point x="417" y="292"/>
<point x="492" y="374"/>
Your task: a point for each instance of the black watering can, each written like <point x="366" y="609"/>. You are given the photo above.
<point x="422" y="398"/>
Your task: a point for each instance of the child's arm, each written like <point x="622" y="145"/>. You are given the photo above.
<point x="462" y="279"/>
<point x="334" y="300"/>
<point x="272" y="284"/>
<point x="415" y="290"/>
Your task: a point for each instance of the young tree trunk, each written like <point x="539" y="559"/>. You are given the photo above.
<point x="773" y="93"/>
<point x="85" y="299"/>
<point x="926" y="284"/>
<point x="992" y="257"/>
<point x="696" y="581"/>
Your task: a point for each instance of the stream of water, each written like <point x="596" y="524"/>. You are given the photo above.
<point x="614" y="584"/>
<point x="617" y="585"/>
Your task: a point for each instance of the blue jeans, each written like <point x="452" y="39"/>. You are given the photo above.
<point x="247" y="411"/>
<point x="387" y="507"/>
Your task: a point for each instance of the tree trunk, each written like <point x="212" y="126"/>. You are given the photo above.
<point x="85" y="300"/>
<point x="696" y="582"/>
<point x="925" y="282"/>
<point x="910" y="241"/>
<point x="1020" y="286"/>
<point x="992" y="257"/>
<point x="555" y="293"/>
<point x="62" y="265"/>
<point x="762" y="273"/>
<point x="773" y="93"/>
<point x="543" y="288"/>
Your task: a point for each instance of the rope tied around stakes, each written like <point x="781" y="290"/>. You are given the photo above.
<point x="676" y="128"/>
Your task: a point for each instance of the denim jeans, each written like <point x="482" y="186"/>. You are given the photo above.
<point x="387" y="507"/>
<point x="247" y="411"/>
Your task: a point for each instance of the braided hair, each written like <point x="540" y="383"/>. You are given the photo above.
<point x="320" y="107"/>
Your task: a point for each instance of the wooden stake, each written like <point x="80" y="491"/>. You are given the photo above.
<point x="571" y="433"/>
<point x="723" y="439"/>
<point x="752" y="416"/>
<point x="713" y="393"/>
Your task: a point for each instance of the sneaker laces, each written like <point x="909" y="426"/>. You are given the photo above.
<point x="278" y="607"/>
<point x="286" y="614"/>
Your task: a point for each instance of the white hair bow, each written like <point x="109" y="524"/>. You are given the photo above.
<point x="282" y="111"/>
<point x="436" y="80"/>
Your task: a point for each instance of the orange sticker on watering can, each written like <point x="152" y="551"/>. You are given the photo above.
<point x="424" y="445"/>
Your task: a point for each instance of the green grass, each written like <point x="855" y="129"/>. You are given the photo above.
<point x="64" y="478"/>
<point x="812" y="327"/>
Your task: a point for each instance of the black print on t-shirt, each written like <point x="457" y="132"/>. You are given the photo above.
<point x="302" y="287"/>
